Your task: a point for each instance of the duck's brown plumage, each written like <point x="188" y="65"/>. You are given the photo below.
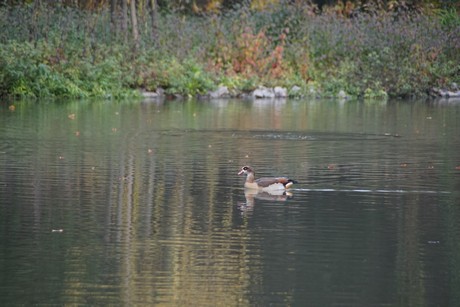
<point x="264" y="182"/>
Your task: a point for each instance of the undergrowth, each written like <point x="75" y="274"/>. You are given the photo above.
<point x="61" y="51"/>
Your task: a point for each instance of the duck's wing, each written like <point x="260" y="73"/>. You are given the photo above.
<point x="265" y="182"/>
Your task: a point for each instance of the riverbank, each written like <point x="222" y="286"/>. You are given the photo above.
<point x="262" y="92"/>
<point x="60" y="51"/>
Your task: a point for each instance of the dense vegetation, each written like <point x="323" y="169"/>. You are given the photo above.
<point x="61" y="50"/>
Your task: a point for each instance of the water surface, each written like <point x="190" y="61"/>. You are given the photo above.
<point x="128" y="203"/>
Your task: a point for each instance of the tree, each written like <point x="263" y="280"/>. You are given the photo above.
<point x="134" y="24"/>
<point x="153" y="18"/>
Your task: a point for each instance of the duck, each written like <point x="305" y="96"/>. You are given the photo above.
<point x="266" y="184"/>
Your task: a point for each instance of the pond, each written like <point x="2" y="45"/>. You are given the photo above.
<point x="139" y="203"/>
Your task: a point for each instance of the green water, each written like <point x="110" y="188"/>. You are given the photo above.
<point x="129" y="203"/>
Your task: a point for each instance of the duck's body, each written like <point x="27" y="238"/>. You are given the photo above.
<point x="265" y="183"/>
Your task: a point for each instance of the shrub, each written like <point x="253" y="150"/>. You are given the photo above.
<point x="31" y="71"/>
<point x="56" y="50"/>
<point x="186" y="78"/>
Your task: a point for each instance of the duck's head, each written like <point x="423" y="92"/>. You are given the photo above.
<point x="246" y="170"/>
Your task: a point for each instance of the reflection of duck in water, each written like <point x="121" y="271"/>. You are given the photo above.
<point x="267" y="184"/>
<point x="252" y="194"/>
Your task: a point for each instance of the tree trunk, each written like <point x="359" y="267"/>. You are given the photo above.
<point x="153" y="18"/>
<point x="134" y="24"/>
<point x="124" y="24"/>
<point x="113" y="16"/>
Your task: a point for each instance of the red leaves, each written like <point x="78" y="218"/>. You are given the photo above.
<point x="252" y="55"/>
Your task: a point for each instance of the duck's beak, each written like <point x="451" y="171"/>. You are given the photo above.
<point x="241" y="172"/>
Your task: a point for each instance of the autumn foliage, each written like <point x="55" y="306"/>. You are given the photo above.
<point x="251" y="55"/>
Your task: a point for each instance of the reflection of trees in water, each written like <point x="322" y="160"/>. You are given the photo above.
<point x="175" y="237"/>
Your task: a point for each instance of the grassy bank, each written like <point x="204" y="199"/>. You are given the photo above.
<point x="62" y="51"/>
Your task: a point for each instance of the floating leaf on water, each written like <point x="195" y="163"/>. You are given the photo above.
<point x="71" y="116"/>
<point x="57" y="230"/>
<point x="12" y="108"/>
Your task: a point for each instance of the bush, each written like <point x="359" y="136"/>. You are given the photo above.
<point x="188" y="78"/>
<point x="48" y="50"/>
<point x="30" y="71"/>
<point x="397" y="55"/>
